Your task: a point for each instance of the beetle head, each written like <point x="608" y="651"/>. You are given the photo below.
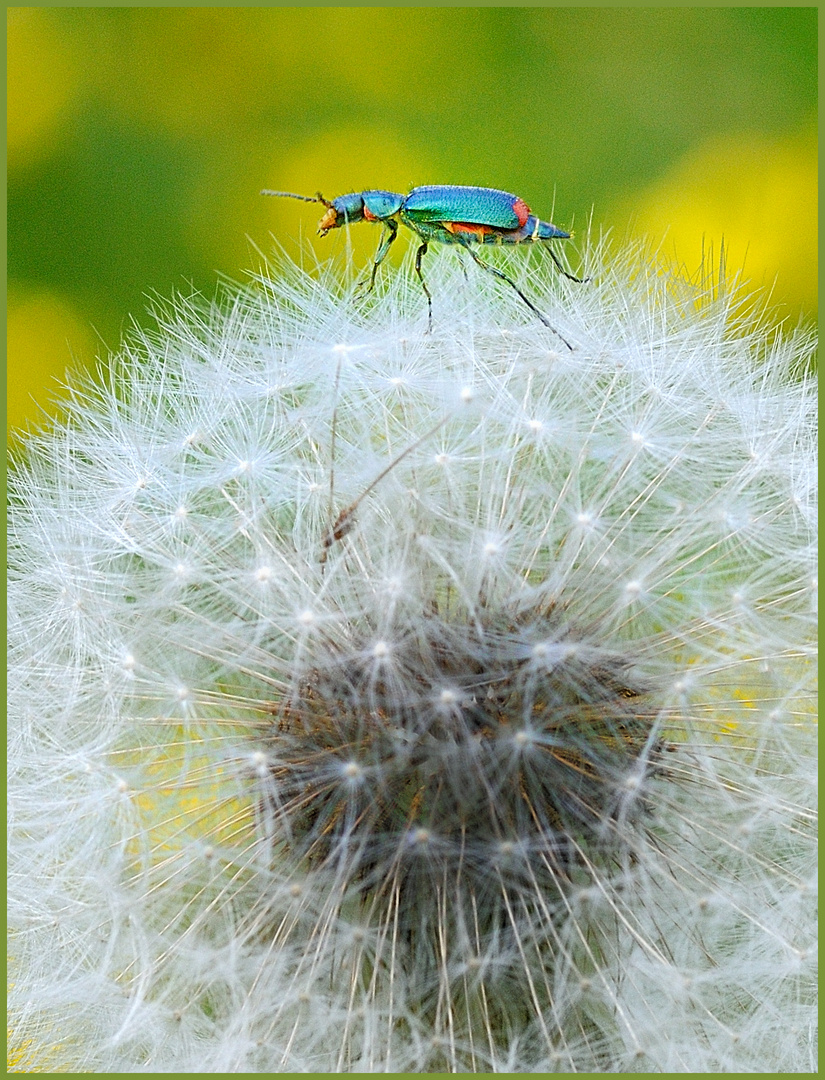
<point x="346" y="209"/>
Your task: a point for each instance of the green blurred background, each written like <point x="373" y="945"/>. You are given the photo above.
<point x="139" y="139"/>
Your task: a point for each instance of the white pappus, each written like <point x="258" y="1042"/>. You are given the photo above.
<point x="393" y="701"/>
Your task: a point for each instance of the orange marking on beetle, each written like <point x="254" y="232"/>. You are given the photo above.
<point x="370" y="217"/>
<point x="521" y="210"/>
<point x="466" y="227"/>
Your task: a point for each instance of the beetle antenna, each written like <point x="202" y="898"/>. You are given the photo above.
<point x="318" y="197"/>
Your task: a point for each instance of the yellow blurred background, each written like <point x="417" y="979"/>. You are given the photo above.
<point x="139" y="139"/>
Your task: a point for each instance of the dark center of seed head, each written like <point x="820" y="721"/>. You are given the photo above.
<point x="502" y="747"/>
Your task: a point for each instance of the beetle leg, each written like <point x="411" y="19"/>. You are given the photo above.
<point x="419" y="255"/>
<point x="381" y="254"/>
<point x="555" y="258"/>
<point x="503" y="277"/>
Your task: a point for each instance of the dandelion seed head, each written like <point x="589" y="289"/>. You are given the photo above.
<point x="508" y="768"/>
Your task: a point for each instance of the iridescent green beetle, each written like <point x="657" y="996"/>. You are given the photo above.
<point x="445" y="214"/>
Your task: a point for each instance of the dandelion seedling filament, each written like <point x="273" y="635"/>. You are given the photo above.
<point x="346" y="519"/>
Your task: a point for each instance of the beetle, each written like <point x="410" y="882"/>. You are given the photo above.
<point x="446" y="214"/>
